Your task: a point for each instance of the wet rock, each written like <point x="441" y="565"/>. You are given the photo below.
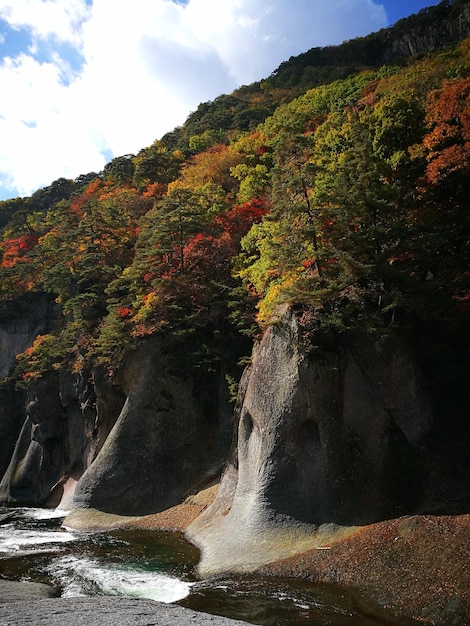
<point x="13" y="591"/>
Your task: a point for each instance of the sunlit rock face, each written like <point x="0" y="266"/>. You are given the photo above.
<point x="328" y="437"/>
<point x="164" y="445"/>
<point x="432" y="32"/>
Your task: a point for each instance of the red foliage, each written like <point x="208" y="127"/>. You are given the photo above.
<point x="190" y="277"/>
<point x="15" y="249"/>
<point x="77" y="203"/>
<point x="124" y="312"/>
<point x="240" y="219"/>
<point x="154" y="190"/>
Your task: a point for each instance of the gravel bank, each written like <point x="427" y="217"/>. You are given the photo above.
<point x="417" y="566"/>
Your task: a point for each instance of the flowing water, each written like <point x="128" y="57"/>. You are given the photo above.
<point x="160" y="566"/>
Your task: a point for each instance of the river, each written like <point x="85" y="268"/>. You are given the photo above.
<point x="160" y="566"/>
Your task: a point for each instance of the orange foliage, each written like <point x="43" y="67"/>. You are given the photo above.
<point x="77" y="204"/>
<point x="213" y="165"/>
<point x="154" y="190"/>
<point x="448" y="142"/>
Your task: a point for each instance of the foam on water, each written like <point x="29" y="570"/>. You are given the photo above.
<point x="33" y="529"/>
<point x="82" y="576"/>
<point x="13" y="539"/>
<point x="45" y="514"/>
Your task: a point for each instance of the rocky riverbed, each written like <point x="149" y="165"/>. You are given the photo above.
<point x="413" y="566"/>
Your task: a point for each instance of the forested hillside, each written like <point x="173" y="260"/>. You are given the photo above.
<point x="349" y="200"/>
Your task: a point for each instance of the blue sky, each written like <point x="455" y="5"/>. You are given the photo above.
<point x="85" y="80"/>
<point x="396" y="9"/>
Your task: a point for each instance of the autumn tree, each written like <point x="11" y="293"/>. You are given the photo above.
<point x="156" y="164"/>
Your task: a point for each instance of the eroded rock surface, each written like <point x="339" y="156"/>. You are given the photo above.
<point x="19" y="606"/>
<point x="52" y="430"/>
<point x="164" y="445"/>
<point x="328" y="439"/>
<point x="65" y="425"/>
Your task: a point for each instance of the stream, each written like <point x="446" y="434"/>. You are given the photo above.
<point x="161" y="566"/>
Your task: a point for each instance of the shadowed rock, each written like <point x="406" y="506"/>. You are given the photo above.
<point x="328" y="439"/>
<point x="162" y="447"/>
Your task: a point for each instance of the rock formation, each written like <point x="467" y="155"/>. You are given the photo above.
<point x="436" y="28"/>
<point x="20" y="322"/>
<point x="52" y="430"/>
<point x="339" y="433"/>
<point x="172" y="435"/>
<point x="165" y="444"/>
<point x="67" y="418"/>
<point x="328" y="438"/>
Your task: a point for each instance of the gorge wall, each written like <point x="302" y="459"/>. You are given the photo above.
<point x="329" y="437"/>
<point x="20" y="323"/>
<point x="437" y="27"/>
<point x="343" y="433"/>
<point x="171" y="438"/>
<point x="134" y="446"/>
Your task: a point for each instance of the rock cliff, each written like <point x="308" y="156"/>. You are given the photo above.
<point x="432" y="29"/>
<point x="328" y="438"/>
<point x="166" y="442"/>
<point x="169" y="434"/>
<point x="20" y="323"/>
<point x="53" y="429"/>
<point x="66" y="419"/>
<point x="329" y="435"/>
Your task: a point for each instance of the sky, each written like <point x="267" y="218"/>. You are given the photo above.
<point x="84" y="81"/>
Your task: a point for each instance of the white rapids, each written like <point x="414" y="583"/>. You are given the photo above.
<point x="72" y="565"/>
<point x="82" y="576"/>
<point x="18" y="537"/>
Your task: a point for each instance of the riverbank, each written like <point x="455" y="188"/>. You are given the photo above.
<point x="415" y="566"/>
<point x="175" y="519"/>
<point x="23" y="604"/>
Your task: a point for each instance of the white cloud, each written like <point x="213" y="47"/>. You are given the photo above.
<point x="58" y="18"/>
<point x="146" y="65"/>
